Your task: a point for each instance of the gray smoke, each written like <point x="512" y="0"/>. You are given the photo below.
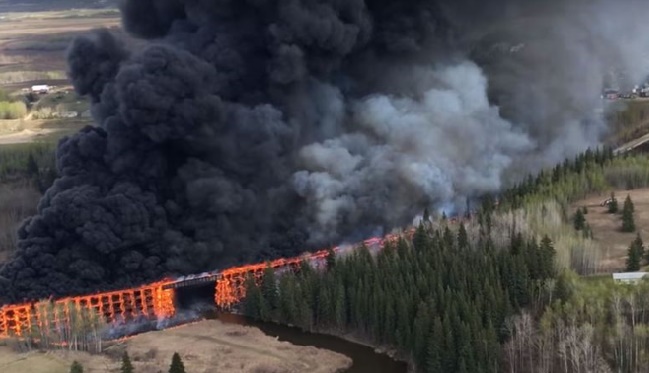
<point x="243" y="130"/>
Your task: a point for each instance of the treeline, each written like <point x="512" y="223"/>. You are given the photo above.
<point x="592" y="171"/>
<point x="599" y="325"/>
<point x="440" y="300"/>
<point x="35" y="162"/>
<point x="62" y="326"/>
<point x="11" y="107"/>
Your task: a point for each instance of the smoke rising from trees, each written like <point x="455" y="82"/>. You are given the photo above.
<point x="240" y="130"/>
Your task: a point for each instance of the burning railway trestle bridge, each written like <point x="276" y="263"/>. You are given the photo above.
<point x="159" y="299"/>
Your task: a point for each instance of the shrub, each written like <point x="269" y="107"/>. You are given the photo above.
<point x="12" y="110"/>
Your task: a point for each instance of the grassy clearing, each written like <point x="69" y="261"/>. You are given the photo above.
<point x="33" y="362"/>
<point x="206" y="346"/>
<point x="13" y="77"/>
<point x="606" y="227"/>
<point x="33" y="43"/>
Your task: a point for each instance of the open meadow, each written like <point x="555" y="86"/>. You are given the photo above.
<point x="607" y="227"/>
<point x="33" y="43"/>
<point x="205" y="347"/>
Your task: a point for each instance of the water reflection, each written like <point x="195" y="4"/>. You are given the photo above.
<point x="365" y="359"/>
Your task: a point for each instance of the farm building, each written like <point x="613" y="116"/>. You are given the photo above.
<point x="629" y="277"/>
<point x="42" y="89"/>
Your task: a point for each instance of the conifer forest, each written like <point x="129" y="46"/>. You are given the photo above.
<point x="493" y="295"/>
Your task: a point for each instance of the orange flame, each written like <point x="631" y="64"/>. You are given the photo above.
<point x="230" y="285"/>
<point x="154" y="300"/>
<point x="150" y="300"/>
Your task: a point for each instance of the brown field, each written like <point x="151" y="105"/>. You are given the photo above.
<point x="33" y="44"/>
<point x="21" y="131"/>
<point x="32" y="51"/>
<point x="205" y="346"/>
<point x="606" y="227"/>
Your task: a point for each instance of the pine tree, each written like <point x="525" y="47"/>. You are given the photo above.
<point x="547" y="254"/>
<point x="612" y="206"/>
<point x="634" y="254"/>
<point x="579" y="220"/>
<point x="127" y="367"/>
<point x="76" y="367"/>
<point x="462" y="237"/>
<point x="253" y="299"/>
<point x="177" y="365"/>
<point x="433" y="350"/>
<point x="628" y="222"/>
<point x="331" y="259"/>
<point x="562" y="290"/>
<point x="629" y="204"/>
<point x="269" y="290"/>
<point x="420" y="239"/>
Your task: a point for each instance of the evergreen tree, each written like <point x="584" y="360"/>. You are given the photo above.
<point x="585" y="210"/>
<point x="76" y="367"/>
<point x="419" y="240"/>
<point x="579" y="220"/>
<point x="628" y="203"/>
<point x="628" y="222"/>
<point x="433" y="351"/>
<point x="127" y="367"/>
<point x="562" y="289"/>
<point x="462" y="237"/>
<point x="612" y="205"/>
<point x="177" y="365"/>
<point x="269" y="293"/>
<point x="547" y="254"/>
<point x="252" y="302"/>
<point x="634" y="254"/>
<point x="331" y="259"/>
<point x="442" y="306"/>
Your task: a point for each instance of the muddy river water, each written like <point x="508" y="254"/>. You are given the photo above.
<point x="366" y="360"/>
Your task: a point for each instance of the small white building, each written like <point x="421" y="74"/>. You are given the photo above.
<point x="629" y="277"/>
<point x="42" y="89"/>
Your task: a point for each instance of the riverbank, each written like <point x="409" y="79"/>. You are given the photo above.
<point x="383" y="350"/>
<point x="367" y="358"/>
<point x="205" y="346"/>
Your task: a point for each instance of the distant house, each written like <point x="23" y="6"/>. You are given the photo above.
<point x="40" y="89"/>
<point x="629" y="277"/>
<point x="611" y="94"/>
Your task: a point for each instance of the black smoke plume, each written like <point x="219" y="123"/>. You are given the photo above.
<point x="233" y="131"/>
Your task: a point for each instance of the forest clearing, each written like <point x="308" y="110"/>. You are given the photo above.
<point x="606" y="227"/>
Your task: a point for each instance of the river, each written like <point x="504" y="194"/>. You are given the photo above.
<point x="366" y="360"/>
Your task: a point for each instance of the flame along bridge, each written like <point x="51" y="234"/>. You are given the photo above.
<point x="158" y="299"/>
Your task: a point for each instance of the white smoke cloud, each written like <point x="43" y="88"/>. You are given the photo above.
<point x="443" y="144"/>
